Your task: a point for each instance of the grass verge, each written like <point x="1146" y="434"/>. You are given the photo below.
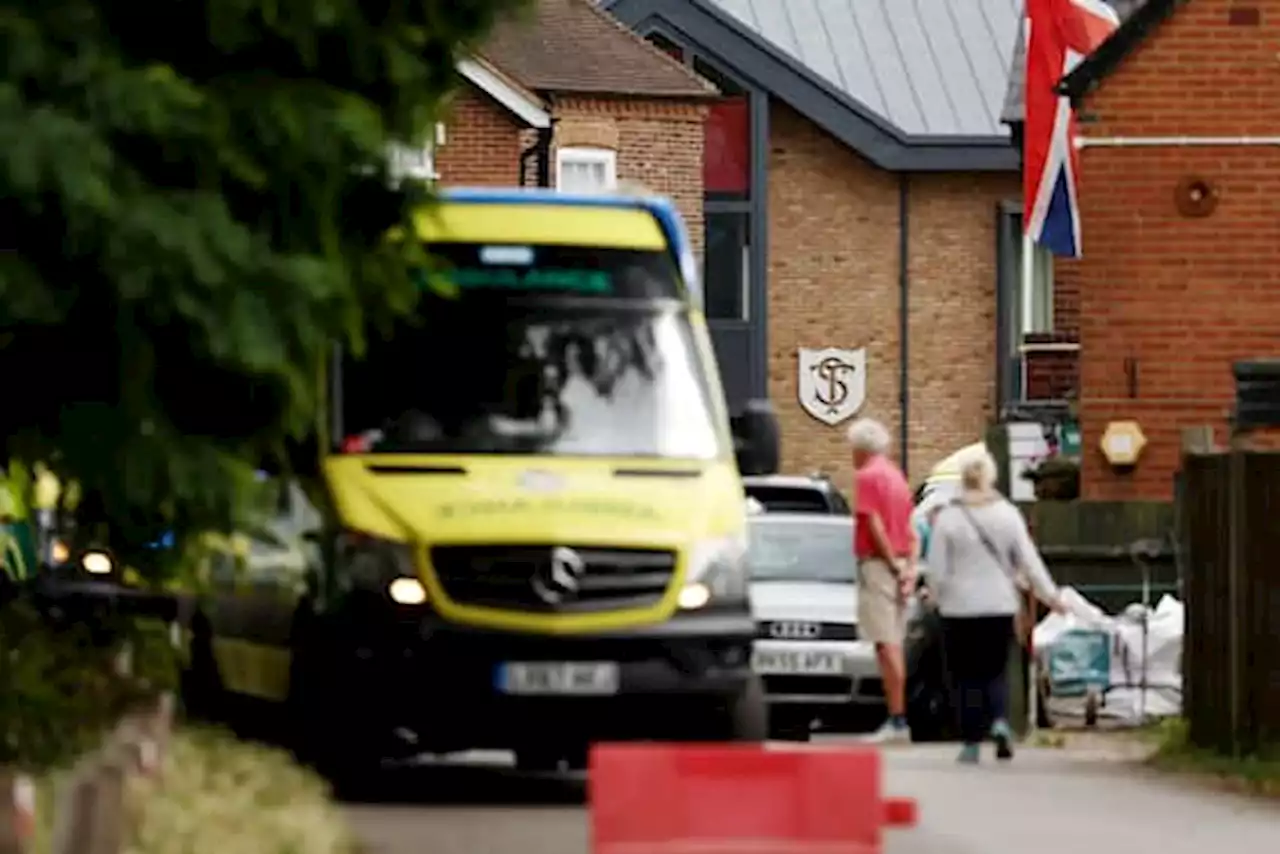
<point x="219" y="793"/>
<point x="1258" y="774"/>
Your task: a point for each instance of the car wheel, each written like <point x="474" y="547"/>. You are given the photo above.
<point x="578" y="757"/>
<point x="929" y="713"/>
<point x="789" y="725"/>
<point x="203" y="698"/>
<point x="749" y="712"/>
<point x="743" y="716"/>
<point x="855" y="720"/>
<point x="539" y="760"/>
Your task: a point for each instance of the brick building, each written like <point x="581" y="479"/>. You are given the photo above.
<point x="851" y="199"/>
<point x="565" y="96"/>
<point x="1180" y="214"/>
<point x="857" y="183"/>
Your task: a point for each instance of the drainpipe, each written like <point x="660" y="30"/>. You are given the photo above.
<point x="904" y="318"/>
<point x="1174" y="141"/>
<point x="541" y="149"/>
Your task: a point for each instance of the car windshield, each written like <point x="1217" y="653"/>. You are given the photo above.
<point x="790" y="499"/>
<point x="537" y="350"/>
<point x="796" y="551"/>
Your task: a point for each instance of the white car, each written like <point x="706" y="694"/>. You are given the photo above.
<point x="804" y="592"/>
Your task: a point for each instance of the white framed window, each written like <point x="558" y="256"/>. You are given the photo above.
<point x="1033" y="312"/>
<point x="726" y="263"/>
<point x="586" y="170"/>
<point x="1036" y="289"/>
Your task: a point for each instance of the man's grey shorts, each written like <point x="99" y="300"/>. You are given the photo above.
<point x="882" y="616"/>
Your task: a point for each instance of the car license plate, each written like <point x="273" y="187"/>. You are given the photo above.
<point x="592" y="678"/>
<point x="806" y="662"/>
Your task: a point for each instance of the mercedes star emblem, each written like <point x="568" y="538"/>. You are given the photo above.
<point x="792" y="630"/>
<point x="560" y="577"/>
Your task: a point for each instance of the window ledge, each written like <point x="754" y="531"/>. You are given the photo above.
<point x="1049" y="347"/>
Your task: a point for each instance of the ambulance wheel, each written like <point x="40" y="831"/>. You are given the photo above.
<point x="337" y="749"/>
<point x="203" y="699"/>
<point x="327" y="732"/>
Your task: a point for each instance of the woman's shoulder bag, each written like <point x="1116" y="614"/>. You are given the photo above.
<point x="1024" y="619"/>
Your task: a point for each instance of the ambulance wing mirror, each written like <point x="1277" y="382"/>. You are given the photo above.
<point x="756" y="438"/>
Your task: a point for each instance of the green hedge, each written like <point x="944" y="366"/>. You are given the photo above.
<point x="61" y="685"/>
<point x="219" y="794"/>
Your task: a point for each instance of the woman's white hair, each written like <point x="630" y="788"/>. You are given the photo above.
<point x="977" y="468"/>
<point x="868" y="434"/>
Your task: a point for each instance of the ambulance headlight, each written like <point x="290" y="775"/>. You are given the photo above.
<point x="97" y="562"/>
<point x="717" y="572"/>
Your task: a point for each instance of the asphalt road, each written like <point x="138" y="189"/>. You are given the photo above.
<point x="1048" y="801"/>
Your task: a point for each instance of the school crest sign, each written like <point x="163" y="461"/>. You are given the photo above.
<point x="832" y="383"/>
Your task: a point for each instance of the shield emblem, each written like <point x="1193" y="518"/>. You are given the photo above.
<point x="832" y="383"/>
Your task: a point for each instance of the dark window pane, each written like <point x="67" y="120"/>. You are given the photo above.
<point x="726" y="84"/>
<point x="725" y="265"/>
<point x="666" y="45"/>
<point x="726" y="157"/>
<point x="782" y="499"/>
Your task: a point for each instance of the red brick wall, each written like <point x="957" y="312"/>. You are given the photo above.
<point x="1066" y="298"/>
<point x="658" y="143"/>
<point x="1171" y="300"/>
<point x="833" y="282"/>
<point x="1052" y="370"/>
<point x="482" y="142"/>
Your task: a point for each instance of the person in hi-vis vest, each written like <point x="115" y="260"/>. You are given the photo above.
<point x="16" y="544"/>
<point x="19" y="496"/>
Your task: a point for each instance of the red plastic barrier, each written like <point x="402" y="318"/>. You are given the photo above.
<point x="739" y="799"/>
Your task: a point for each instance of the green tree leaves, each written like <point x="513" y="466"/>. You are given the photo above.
<point x="193" y="204"/>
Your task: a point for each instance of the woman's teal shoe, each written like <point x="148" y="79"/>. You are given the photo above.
<point x="1002" y="735"/>
<point x="968" y="755"/>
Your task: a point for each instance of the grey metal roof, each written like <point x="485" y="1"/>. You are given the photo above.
<point x="830" y="92"/>
<point x="928" y="67"/>
<point x="1014" y="107"/>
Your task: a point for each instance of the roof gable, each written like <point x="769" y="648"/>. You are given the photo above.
<point x="771" y="67"/>
<point x="572" y="46"/>
<point x="517" y="100"/>
<point x="1014" y="109"/>
<point x="1134" y="31"/>
<point x="929" y="67"/>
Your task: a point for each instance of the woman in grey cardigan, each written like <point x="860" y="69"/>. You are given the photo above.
<point x="980" y="552"/>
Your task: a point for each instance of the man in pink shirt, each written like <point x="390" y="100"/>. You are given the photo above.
<point x="886" y="546"/>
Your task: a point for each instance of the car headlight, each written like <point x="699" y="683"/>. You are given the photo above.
<point x="717" y="572"/>
<point x="59" y="552"/>
<point x="375" y="565"/>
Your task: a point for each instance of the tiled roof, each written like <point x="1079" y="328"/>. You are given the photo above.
<point x="925" y="67"/>
<point x="573" y="46"/>
<point x="1014" y="107"/>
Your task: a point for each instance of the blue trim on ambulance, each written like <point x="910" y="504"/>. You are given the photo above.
<point x="661" y="209"/>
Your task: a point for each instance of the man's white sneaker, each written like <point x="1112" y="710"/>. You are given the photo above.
<point x="891" y="733"/>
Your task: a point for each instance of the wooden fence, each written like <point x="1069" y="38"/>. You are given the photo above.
<point x="1230" y="514"/>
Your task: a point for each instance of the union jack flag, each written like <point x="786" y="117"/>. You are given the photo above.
<point x="1059" y="34"/>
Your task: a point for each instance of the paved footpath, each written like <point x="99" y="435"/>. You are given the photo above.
<point x="1048" y="801"/>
